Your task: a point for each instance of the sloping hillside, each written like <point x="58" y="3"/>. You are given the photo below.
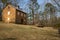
<point x="27" y="32"/>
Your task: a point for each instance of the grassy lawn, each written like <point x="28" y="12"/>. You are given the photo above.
<point x="27" y="32"/>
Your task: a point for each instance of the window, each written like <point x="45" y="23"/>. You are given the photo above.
<point x="21" y="14"/>
<point x="8" y="8"/>
<point x="8" y="19"/>
<point x="18" y="13"/>
<point x="24" y="15"/>
<point x="8" y="12"/>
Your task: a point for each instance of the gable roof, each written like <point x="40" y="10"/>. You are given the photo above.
<point x="14" y="7"/>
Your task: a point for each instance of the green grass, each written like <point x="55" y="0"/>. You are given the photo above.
<point x="27" y="32"/>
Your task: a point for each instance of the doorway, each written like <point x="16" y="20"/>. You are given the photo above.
<point x="21" y="21"/>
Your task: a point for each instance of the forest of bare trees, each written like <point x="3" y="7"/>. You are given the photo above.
<point x="47" y="17"/>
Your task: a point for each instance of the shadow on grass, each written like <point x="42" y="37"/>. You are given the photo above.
<point x="8" y="39"/>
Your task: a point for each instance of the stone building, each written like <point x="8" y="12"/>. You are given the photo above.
<point x="11" y="14"/>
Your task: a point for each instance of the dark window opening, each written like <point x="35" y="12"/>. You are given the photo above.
<point x="21" y="21"/>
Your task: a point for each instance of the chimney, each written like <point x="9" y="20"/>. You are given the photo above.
<point x="18" y="7"/>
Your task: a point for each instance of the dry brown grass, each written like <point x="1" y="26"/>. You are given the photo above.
<point x="26" y="32"/>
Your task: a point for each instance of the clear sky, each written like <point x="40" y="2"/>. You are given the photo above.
<point x="40" y="1"/>
<point x="43" y="1"/>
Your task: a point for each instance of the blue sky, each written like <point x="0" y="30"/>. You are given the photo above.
<point x="40" y="1"/>
<point x="43" y="1"/>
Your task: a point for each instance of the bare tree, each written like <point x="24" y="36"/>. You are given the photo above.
<point x="51" y="11"/>
<point x="33" y="6"/>
<point x="57" y="2"/>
